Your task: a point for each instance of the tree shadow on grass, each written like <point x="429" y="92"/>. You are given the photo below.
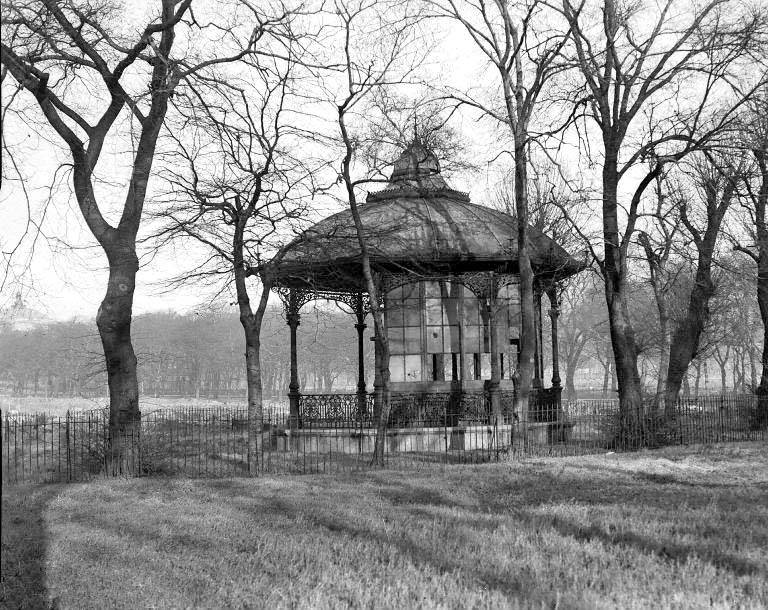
<point x="421" y="501"/>
<point x="24" y="545"/>
<point x="520" y="585"/>
<point x="664" y="550"/>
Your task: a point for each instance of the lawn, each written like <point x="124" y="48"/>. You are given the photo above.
<point x="58" y="406"/>
<point x="674" y="528"/>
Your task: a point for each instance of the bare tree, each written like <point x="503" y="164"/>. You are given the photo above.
<point x="632" y="66"/>
<point x="716" y="185"/>
<point x="755" y="202"/>
<point x="523" y="48"/>
<point x="658" y="247"/>
<point x="74" y="56"/>
<point x="582" y="321"/>
<point x="237" y="186"/>
<point x="365" y="75"/>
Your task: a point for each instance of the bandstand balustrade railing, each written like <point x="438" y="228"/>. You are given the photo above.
<point x="424" y="409"/>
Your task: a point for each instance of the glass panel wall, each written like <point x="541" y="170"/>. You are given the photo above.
<point x="431" y="324"/>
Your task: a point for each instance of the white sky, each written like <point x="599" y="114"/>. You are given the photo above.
<point x="64" y="281"/>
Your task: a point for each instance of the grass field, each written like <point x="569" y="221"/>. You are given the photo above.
<point x="59" y="406"/>
<point x="674" y="528"/>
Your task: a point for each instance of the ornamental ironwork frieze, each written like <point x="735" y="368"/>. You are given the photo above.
<point x="295" y="298"/>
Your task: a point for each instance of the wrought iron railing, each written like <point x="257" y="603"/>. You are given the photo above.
<point x="335" y="410"/>
<point x="409" y="409"/>
<point x="224" y="442"/>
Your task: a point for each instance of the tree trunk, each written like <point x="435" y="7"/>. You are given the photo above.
<point x="114" y="323"/>
<point x="254" y="386"/>
<point x="570" y="373"/>
<point x="607" y="376"/>
<point x="721" y="362"/>
<point x="697" y="365"/>
<point x="527" y="325"/>
<point x="685" y="341"/>
<point x="630" y="432"/>
<point x="373" y="285"/>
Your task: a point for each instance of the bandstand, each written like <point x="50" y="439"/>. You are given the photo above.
<point x="448" y="273"/>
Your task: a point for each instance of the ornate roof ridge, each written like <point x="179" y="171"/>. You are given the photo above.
<point x="409" y="192"/>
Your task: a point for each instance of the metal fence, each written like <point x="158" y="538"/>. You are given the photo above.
<point x="336" y="433"/>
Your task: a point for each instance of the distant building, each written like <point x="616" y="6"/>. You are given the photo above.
<point x="21" y="317"/>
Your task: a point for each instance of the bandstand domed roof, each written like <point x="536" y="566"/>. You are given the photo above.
<point x="416" y="223"/>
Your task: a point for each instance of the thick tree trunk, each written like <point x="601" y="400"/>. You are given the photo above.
<point x="762" y="301"/>
<point x="630" y="426"/>
<point x="254" y="388"/>
<point x="114" y="323"/>
<point x="761" y="229"/>
<point x="685" y="341"/>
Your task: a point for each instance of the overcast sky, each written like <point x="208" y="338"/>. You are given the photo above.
<point x="62" y="272"/>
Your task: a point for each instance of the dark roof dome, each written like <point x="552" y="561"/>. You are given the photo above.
<point x="416" y="223"/>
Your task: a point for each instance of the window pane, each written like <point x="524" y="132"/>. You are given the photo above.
<point x="432" y="289"/>
<point x="434" y="339"/>
<point x="514" y="318"/>
<point x="413" y="340"/>
<point x="436" y="367"/>
<point x="469" y="366"/>
<point x="471" y="310"/>
<point x="411" y="313"/>
<point x="509" y="291"/>
<point x="396" y="294"/>
<point x="434" y="312"/>
<point x="451" y="311"/>
<point x="397" y="368"/>
<point x="503" y="331"/>
<point x="396" y="340"/>
<point x="472" y="338"/>
<point x="411" y="291"/>
<point x="485" y="366"/>
<point x="451" y="366"/>
<point x="394" y="313"/>
<point x="413" y="368"/>
<point x="510" y="361"/>
<point x="451" y="339"/>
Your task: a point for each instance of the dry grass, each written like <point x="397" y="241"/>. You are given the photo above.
<point x="677" y="528"/>
<point x="58" y="406"/>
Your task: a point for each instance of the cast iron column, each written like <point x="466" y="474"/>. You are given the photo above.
<point x="554" y="313"/>
<point x="494" y="395"/>
<point x="360" y="327"/>
<point x="293" y="387"/>
<point x="537" y="372"/>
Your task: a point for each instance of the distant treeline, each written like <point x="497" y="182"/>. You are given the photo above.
<point x="195" y="354"/>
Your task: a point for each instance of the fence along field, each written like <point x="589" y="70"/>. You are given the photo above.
<point x="212" y="442"/>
